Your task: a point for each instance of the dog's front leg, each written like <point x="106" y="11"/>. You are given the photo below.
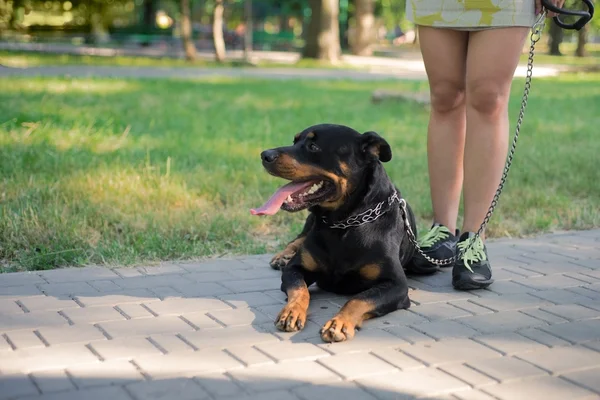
<point x="282" y="258"/>
<point x="295" y="281"/>
<point x="376" y="301"/>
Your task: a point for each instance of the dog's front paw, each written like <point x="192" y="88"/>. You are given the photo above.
<point x="292" y="318"/>
<point x="338" y="329"/>
<point x="282" y="258"/>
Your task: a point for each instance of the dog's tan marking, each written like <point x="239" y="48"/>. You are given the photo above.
<point x="342" y="191"/>
<point x="345" y="168"/>
<point x="308" y="261"/>
<point x="293" y="316"/>
<point x="310" y="135"/>
<point x="375" y="150"/>
<point x="370" y="271"/>
<point x="351" y="316"/>
<point x="284" y="256"/>
<point x="288" y="167"/>
<point x="295" y="245"/>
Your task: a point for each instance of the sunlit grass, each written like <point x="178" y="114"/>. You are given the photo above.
<point x="23" y="59"/>
<point x="115" y="171"/>
<point x="568" y="55"/>
<point x="82" y="87"/>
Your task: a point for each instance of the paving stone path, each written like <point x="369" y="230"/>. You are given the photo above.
<point x="407" y="66"/>
<point x="204" y="330"/>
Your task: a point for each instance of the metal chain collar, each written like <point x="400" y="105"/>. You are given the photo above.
<point x="367" y="216"/>
<point x="535" y="37"/>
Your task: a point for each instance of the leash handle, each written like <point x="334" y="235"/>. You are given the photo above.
<point x="585" y="16"/>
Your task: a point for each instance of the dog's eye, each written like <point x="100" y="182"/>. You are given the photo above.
<point x="313" y="147"/>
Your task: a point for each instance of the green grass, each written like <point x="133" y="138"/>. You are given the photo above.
<point x="568" y="58"/>
<point x="115" y="171"/>
<point x="24" y="59"/>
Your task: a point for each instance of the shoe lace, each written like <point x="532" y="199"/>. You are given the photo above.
<point x="435" y="234"/>
<point x="473" y="254"/>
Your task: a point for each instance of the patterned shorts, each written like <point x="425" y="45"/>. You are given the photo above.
<point x="471" y="14"/>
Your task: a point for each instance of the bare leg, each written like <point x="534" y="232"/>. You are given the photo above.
<point x="492" y="58"/>
<point x="444" y="54"/>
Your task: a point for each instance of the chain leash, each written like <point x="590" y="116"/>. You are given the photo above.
<point x="535" y="36"/>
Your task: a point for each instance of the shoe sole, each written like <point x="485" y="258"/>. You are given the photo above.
<point x="471" y="284"/>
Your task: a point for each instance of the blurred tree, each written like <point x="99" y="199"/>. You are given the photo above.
<point x="149" y="13"/>
<point x="17" y="15"/>
<point x="364" y="34"/>
<point x="391" y="12"/>
<point x="217" y="29"/>
<point x="248" y="29"/>
<point x="555" y="39"/>
<point x="98" y="32"/>
<point x="322" y="37"/>
<point x="148" y="20"/>
<point x="582" y="34"/>
<point x="186" y="31"/>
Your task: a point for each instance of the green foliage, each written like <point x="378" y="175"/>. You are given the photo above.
<point x="391" y="12"/>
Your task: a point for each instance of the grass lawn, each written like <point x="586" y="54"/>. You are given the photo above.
<point x="129" y="171"/>
<point x="568" y="55"/>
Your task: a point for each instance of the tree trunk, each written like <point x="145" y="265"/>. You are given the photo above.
<point x="582" y="36"/>
<point x="248" y="31"/>
<point x="98" y="34"/>
<point x="311" y="35"/>
<point x="148" y="20"/>
<point x="186" y="31"/>
<point x="555" y="39"/>
<point x="283" y="23"/>
<point x="323" y="36"/>
<point x="149" y="14"/>
<point x="17" y="15"/>
<point x="365" y="25"/>
<point x="218" y="39"/>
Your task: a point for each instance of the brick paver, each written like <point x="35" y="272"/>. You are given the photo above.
<point x="204" y="330"/>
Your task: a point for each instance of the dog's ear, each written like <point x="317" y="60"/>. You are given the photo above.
<point x="375" y="145"/>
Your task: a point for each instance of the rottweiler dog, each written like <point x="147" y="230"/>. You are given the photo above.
<point x="354" y="241"/>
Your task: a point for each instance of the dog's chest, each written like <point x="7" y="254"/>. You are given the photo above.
<point x="342" y="256"/>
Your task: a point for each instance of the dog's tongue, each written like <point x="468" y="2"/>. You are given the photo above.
<point x="274" y="203"/>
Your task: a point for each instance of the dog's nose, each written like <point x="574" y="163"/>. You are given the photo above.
<point x="269" y="156"/>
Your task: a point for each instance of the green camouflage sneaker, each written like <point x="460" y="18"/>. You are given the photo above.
<point x="472" y="270"/>
<point x="439" y="243"/>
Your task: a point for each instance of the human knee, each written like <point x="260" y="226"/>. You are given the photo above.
<point x="487" y="97"/>
<point x="446" y="96"/>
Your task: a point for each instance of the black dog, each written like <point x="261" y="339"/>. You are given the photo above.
<point x="354" y="240"/>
